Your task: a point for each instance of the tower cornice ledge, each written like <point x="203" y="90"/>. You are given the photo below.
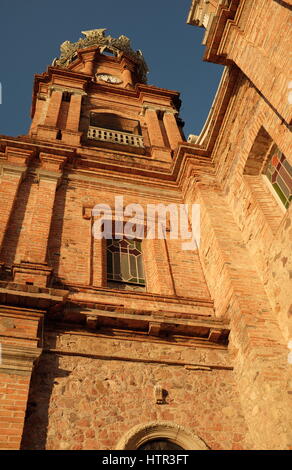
<point x="215" y="17"/>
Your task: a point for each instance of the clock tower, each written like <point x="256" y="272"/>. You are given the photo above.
<point x="96" y="91"/>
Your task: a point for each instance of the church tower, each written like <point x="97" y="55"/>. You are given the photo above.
<point x="133" y="317"/>
<point x="114" y="342"/>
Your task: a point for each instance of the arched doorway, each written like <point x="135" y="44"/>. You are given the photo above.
<point x="161" y="435"/>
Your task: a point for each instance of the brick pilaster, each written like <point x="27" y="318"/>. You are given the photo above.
<point x="172" y="130"/>
<point x="13" y="166"/>
<point x="33" y="267"/>
<point x="73" y="117"/>
<point x="53" y="108"/>
<point x="70" y="135"/>
<point x="158" y="148"/>
<point x="20" y="347"/>
<point x="154" y="131"/>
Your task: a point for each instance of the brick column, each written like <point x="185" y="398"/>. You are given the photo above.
<point x="73" y="117"/>
<point x="53" y="108"/>
<point x="19" y="349"/>
<point x="158" y="148"/>
<point x="154" y="131"/>
<point x="172" y="130"/>
<point x="12" y="168"/>
<point x="48" y="130"/>
<point x="34" y="267"/>
<point x="71" y="134"/>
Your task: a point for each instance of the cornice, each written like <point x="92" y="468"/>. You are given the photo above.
<point x="87" y="86"/>
<point x="223" y="16"/>
<point x="215" y="24"/>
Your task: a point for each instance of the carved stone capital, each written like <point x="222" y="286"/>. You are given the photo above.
<point x="13" y="163"/>
<point x="18" y="156"/>
<point x="51" y="165"/>
<point x="62" y="89"/>
<point x="18" y="359"/>
<point x="157" y="109"/>
<point x="19" y="338"/>
<point x="45" y="175"/>
<point x="14" y="171"/>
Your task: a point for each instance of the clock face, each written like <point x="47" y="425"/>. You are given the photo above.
<point x="106" y="77"/>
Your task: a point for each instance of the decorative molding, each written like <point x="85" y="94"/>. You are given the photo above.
<point x="11" y="170"/>
<point x="28" y="267"/>
<point x="161" y="109"/>
<point x="48" y="175"/>
<point x="18" y="359"/>
<point x="62" y="89"/>
<point x="200" y="329"/>
<point x="96" y="37"/>
<point x="142" y="433"/>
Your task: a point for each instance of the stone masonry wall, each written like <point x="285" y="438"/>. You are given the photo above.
<point x="93" y="390"/>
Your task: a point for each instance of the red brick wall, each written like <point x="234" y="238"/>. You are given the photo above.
<point x="18" y="349"/>
<point x="13" y="393"/>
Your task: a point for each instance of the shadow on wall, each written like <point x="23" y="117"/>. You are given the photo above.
<point x="284" y="4"/>
<point x="44" y="378"/>
<point x="56" y="230"/>
<point x="16" y="222"/>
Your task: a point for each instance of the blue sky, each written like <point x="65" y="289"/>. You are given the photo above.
<point x="31" y="32"/>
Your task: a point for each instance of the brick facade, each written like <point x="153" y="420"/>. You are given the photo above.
<point x="84" y="361"/>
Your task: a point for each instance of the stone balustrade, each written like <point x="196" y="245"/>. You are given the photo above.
<point x="118" y="137"/>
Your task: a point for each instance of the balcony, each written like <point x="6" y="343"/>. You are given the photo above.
<point x="116" y="137"/>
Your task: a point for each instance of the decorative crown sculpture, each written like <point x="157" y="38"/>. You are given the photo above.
<point x="96" y="37"/>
